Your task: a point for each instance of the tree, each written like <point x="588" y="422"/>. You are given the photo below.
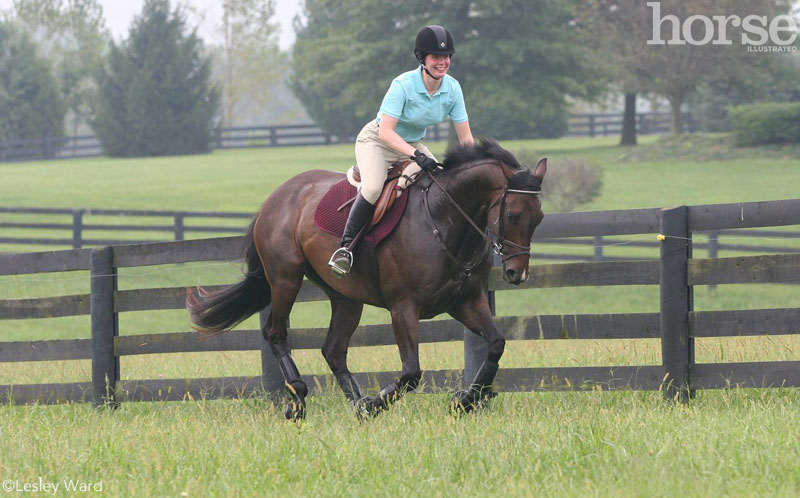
<point x="250" y="61"/>
<point x="617" y="29"/>
<point x="628" y="32"/>
<point x="30" y="104"/>
<point x="155" y="96"/>
<point x="516" y="60"/>
<point x="73" y="37"/>
<point x="675" y="70"/>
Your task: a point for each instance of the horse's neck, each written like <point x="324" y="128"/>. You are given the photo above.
<point x="473" y="189"/>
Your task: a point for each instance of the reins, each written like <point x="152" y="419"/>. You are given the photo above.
<point x="497" y="243"/>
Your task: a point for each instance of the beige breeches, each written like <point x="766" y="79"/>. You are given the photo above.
<point x="374" y="158"/>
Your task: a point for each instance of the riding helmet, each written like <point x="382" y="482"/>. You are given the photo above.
<point x="433" y="39"/>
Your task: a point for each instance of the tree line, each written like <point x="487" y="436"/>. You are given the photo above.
<point x="163" y="90"/>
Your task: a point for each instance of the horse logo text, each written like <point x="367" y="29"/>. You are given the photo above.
<point x="782" y="30"/>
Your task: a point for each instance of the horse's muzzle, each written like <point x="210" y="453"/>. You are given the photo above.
<point x="515" y="277"/>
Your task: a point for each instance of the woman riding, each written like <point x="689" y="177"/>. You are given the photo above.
<point x="416" y="100"/>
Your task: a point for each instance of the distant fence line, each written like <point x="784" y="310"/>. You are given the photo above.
<point x="240" y="137"/>
<point x="677" y="324"/>
<point x="72" y="232"/>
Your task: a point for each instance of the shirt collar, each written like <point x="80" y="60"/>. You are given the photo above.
<point x="419" y="85"/>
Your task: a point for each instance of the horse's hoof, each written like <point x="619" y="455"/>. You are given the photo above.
<point x="295" y="411"/>
<point x="368" y="407"/>
<point x="464" y="402"/>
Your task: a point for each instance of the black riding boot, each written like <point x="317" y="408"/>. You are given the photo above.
<point x="360" y="214"/>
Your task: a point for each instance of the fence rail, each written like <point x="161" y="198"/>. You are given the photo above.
<point x="239" y="137"/>
<point x="647" y="123"/>
<point x="74" y="229"/>
<point x="677" y="324"/>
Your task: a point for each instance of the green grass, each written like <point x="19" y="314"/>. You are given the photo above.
<point x="734" y="442"/>
<point x="727" y="443"/>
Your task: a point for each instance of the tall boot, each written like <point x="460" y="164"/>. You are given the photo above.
<point x="360" y="214"/>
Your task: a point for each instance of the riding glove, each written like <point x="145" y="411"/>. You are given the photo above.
<point x="425" y="162"/>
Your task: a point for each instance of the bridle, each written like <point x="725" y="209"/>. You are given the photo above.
<point x="497" y="242"/>
<point x="500" y="240"/>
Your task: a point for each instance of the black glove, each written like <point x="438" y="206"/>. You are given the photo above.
<point x="425" y="162"/>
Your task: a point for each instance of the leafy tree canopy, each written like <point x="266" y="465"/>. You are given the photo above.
<point x="516" y="60"/>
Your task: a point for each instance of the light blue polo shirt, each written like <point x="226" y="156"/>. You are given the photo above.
<point x="415" y="110"/>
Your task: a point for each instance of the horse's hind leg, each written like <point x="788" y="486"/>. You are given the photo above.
<point x="345" y="316"/>
<point x="477" y="317"/>
<point x="284" y="291"/>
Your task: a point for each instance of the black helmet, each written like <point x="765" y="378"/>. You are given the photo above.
<point x="433" y="39"/>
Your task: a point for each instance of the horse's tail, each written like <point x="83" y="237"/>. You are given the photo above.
<point x="215" y="312"/>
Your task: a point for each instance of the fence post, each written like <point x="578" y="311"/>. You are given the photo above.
<point x="273" y="136"/>
<point x="598" y="248"/>
<point x="676" y="345"/>
<point x="713" y="249"/>
<point x="643" y="124"/>
<point x="179" y="231"/>
<point x="475" y="347"/>
<point x="105" y="327"/>
<point x="271" y="376"/>
<point x="77" y="229"/>
<point x="591" y="125"/>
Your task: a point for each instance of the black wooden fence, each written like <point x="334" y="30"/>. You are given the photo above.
<point x="677" y="324"/>
<point x="78" y="228"/>
<point x="592" y="125"/>
<point x="647" y="123"/>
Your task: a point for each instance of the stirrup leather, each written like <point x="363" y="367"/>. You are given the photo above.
<point x="341" y="261"/>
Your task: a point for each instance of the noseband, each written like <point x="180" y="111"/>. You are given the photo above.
<point x="497" y="242"/>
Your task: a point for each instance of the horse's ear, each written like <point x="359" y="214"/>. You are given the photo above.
<point x="541" y="168"/>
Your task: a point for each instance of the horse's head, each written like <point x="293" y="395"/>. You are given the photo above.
<point x="518" y="213"/>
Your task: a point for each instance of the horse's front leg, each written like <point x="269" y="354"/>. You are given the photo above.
<point x="405" y="325"/>
<point x="476" y="315"/>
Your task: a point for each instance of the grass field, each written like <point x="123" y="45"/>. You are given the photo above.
<point x="738" y="442"/>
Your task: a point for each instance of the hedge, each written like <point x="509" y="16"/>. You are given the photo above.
<point x="766" y="123"/>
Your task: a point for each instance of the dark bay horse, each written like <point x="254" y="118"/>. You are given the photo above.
<point x="436" y="261"/>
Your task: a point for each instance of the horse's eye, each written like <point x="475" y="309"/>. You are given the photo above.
<point x="513" y="218"/>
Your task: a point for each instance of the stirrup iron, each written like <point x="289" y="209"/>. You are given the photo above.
<point x="341" y="261"/>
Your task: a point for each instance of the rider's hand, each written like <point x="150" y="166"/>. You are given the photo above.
<point x="425" y="162"/>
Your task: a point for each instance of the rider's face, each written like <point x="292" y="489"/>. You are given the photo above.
<point x="437" y="64"/>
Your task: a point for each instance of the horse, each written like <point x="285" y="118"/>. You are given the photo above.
<point x="437" y="260"/>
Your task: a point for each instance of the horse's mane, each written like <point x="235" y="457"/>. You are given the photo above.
<point x="484" y="148"/>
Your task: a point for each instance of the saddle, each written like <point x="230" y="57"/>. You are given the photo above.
<point x="389" y="193"/>
<point x="334" y="207"/>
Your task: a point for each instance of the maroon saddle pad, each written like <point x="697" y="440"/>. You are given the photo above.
<point x="331" y="219"/>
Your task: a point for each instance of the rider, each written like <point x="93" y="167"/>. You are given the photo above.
<point x="416" y="99"/>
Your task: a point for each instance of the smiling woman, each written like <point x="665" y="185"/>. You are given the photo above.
<point x="416" y="100"/>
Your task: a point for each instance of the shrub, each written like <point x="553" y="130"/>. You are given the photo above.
<point x="766" y="123"/>
<point x="569" y="182"/>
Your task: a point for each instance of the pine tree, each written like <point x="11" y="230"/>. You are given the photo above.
<point x="155" y="95"/>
